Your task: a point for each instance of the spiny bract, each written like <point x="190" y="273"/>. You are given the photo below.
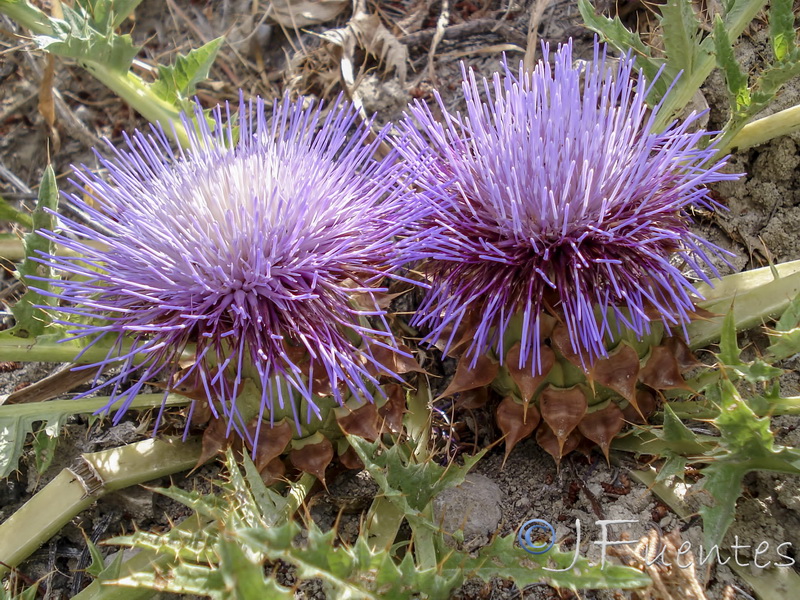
<point x="247" y="249"/>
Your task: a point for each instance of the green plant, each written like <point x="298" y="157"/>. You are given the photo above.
<point x="690" y="54"/>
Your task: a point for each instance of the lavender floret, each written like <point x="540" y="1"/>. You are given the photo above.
<point x="556" y="195"/>
<point x="246" y="251"/>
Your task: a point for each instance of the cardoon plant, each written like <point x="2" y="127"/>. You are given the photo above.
<point x="256" y="254"/>
<point x="568" y="244"/>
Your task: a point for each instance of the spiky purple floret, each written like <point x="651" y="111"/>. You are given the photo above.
<point x="556" y="194"/>
<point x="244" y="249"/>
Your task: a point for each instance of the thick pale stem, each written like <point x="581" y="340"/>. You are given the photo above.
<point x="75" y="489"/>
<point x="28" y="16"/>
<point x="35" y="350"/>
<point x="761" y="131"/>
<point x="382" y="523"/>
<point x="753" y="296"/>
<point x="135" y="92"/>
<point x="14" y="251"/>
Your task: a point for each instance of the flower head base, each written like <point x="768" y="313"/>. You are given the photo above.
<point x="556" y="195"/>
<point x="247" y="253"/>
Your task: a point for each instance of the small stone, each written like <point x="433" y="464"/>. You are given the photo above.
<point x="473" y="508"/>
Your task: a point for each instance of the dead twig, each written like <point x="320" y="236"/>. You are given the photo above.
<point x="441" y="26"/>
<point x="463" y="30"/>
<point x="537" y="12"/>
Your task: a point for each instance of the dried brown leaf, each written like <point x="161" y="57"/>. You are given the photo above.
<point x="368" y="32"/>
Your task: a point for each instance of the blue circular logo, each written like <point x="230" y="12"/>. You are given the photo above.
<point x="529" y="527"/>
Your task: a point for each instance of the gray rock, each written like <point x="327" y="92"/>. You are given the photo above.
<point x="472" y="508"/>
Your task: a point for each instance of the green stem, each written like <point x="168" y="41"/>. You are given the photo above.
<point x="780" y="123"/>
<point x="75" y="489"/>
<point x="138" y="94"/>
<point x="14" y="250"/>
<point x="688" y="84"/>
<point x="126" y="85"/>
<point x="382" y="523"/>
<point x="27" y="15"/>
<point x="424" y="545"/>
<point x="87" y="405"/>
<point x="14" y="348"/>
<point x="36" y="350"/>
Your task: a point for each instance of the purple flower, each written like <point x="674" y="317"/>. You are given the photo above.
<point x="557" y="195"/>
<point x="247" y="253"/>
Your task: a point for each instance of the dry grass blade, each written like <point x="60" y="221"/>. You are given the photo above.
<point x="441" y="25"/>
<point x="60" y="382"/>
<point x="537" y="12"/>
<point x="302" y="13"/>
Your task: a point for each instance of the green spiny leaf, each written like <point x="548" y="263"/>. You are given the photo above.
<point x="26" y="594"/>
<point x="112" y="12"/>
<point x="728" y="346"/>
<point x="90" y="41"/>
<point x="178" y="544"/>
<point x="412" y="485"/>
<point x="681" y="34"/>
<point x="735" y="78"/>
<point x="781" y="29"/>
<point x="271" y="505"/>
<point x="619" y="36"/>
<point x="177" y="82"/>
<point x="503" y="558"/>
<point x="746" y="444"/>
<point x="244" y="578"/>
<point x="207" y="505"/>
<point x="679" y="438"/>
<point x="30" y="320"/>
<point x="354" y="571"/>
<point x="44" y="445"/>
<point x="790" y="319"/>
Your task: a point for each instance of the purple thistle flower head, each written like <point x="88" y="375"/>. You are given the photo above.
<point x="249" y="252"/>
<point x="555" y="194"/>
